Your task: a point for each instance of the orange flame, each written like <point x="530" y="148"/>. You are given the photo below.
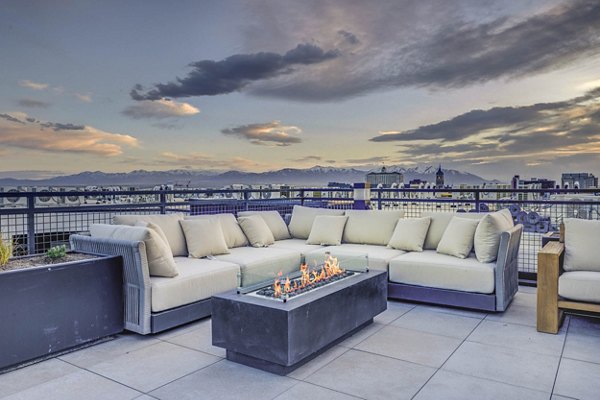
<point x="330" y="268"/>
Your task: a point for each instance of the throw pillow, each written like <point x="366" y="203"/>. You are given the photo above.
<point x="274" y="221"/>
<point x="234" y="236"/>
<point x="487" y="234"/>
<point x="169" y="223"/>
<point x="303" y="218"/>
<point x="327" y="230"/>
<point x="204" y="237"/>
<point x="158" y="254"/>
<point x="458" y="237"/>
<point x="409" y="234"/>
<point x="256" y="230"/>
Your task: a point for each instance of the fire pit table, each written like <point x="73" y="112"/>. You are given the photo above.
<point x="280" y="325"/>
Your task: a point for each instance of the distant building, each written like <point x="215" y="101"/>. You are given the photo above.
<point x="384" y="178"/>
<point x="439" y="177"/>
<point x="579" y="180"/>
<point x="532" y="183"/>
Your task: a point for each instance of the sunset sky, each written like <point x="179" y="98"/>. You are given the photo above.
<point x="490" y="87"/>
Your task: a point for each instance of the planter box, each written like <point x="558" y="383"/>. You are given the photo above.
<point x="48" y="309"/>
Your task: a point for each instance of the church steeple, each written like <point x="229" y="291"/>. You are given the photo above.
<point x="439" y="177"/>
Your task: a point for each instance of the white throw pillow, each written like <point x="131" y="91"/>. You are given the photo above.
<point x="256" y="230"/>
<point x="234" y="236"/>
<point x="158" y="253"/>
<point x="327" y="230"/>
<point x="274" y="221"/>
<point x="371" y="226"/>
<point x="409" y="234"/>
<point x="458" y="237"/>
<point x="303" y="218"/>
<point x="487" y="234"/>
<point x="439" y="222"/>
<point x="169" y="223"/>
<point x="158" y="231"/>
<point x="582" y="246"/>
<point x="204" y="237"/>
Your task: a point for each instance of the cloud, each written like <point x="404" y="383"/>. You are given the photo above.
<point x="368" y="160"/>
<point x="432" y="45"/>
<point x="534" y="134"/>
<point x="84" y="97"/>
<point x="33" y="85"/>
<point x="197" y="160"/>
<point x="32" y="103"/>
<point x="269" y="133"/>
<point x="349" y="37"/>
<point x="18" y="130"/>
<point x="209" y="78"/>
<point x="160" y="109"/>
<point x="307" y="159"/>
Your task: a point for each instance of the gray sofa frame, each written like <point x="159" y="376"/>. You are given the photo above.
<point x="506" y="279"/>
<point x="137" y="288"/>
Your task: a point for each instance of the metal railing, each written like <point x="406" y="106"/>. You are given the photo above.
<point x="35" y="221"/>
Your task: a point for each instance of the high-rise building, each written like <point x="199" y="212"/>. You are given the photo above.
<point x="439" y="177"/>
<point x="385" y="178"/>
<point x="579" y="180"/>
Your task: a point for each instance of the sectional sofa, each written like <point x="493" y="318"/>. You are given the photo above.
<point x="174" y="263"/>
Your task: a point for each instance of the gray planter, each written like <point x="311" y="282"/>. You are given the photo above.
<point x="49" y="309"/>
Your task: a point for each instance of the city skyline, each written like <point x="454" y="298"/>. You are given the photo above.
<point x="489" y="88"/>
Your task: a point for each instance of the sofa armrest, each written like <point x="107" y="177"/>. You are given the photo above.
<point x="507" y="267"/>
<point x="136" y="278"/>
<point x="550" y="260"/>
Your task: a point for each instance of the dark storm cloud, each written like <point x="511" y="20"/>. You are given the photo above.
<point x="269" y="133"/>
<point x="32" y="103"/>
<point x="10" y="118"/>
<point x="540" y="132"/>
<point x="57" y="126"/>
<point x="209" y="78"/>
<point x="446" y="46"/>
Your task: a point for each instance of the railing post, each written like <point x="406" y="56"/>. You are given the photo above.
<point x="379" y="199"/>
<point x="477" y="201"/>
<point x="31" y="223"/>
<point x="246" y="199"/>
<point x="302" y="197"/>
<point x="163" y="202"/>
<point x="362" y="196"/>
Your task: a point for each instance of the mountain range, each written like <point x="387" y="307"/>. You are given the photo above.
<point x="316" y="175"/>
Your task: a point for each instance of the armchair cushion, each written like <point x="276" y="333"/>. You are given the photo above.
<point x="582" y="252"/>
<point x="580" y="286"/>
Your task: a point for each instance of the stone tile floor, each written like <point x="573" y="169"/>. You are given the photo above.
<point x="412" y="351"/>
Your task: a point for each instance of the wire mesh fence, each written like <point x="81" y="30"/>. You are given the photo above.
<point x="33" y="223"/>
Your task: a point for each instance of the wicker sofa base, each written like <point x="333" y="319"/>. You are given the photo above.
<point x="161" y="321"/>
<point x="456" y="298"/>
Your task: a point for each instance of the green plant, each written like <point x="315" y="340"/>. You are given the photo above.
<point x="6" y="249"/>
<point x="56" y="252"/>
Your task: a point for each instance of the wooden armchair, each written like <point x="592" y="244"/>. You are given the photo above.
<point x="551" y="265"/>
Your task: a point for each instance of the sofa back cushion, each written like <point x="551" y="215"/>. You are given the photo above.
<point x="234" y="236"/>
<point x="169" y="223"/>
<point x="274" y="221"/>
<point x="370" y="226"/>
<point x="458" y="237"/>
<point x="327" y="230"/>
<point x="204" y="237"/>
<point x="409" y="234"/>
<point x="158" y="254"/>
<point x="303" y="218"/>
<point x="256" y="230"/>
<point x="582" y="248"/>
<point x="487" y="234"/>
<point x="439" y="222"/>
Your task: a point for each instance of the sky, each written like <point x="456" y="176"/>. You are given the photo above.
<point x="495" y="88"/>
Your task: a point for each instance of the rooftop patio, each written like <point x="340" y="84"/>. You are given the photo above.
<point x="411" y="351"/>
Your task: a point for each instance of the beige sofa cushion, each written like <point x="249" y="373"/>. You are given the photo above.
<point x="274" y="221"/>
<point x="435" y="270"/>
<point x="158" y="231"/>
<point x="582" y="246"/>
<point x="256" y="230"/>
<point x="303" y="218"/>
<point x="259" y="264"/>
<point x="409" y="234"/>
<point x="234" y="236"/>
<point x="487" y="234"/>
<point x="198" y="279"/>
<point x="204" y="237"/>
<point x="458" y="237"/>
<point x="439" y="222"/>
<point x="580" y="286"/>
<point x="378" y="257"/>
<point x="370" y="226"/>
<point x="169" y="223"/>
<point x="158" y="254"/>
<point x="327" y="230"/>
<point x="295" y="244"/>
